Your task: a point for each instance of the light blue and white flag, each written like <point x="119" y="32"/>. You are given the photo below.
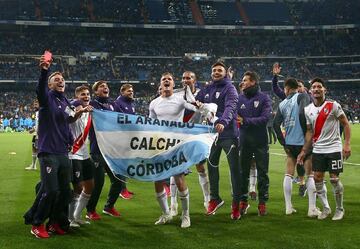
<point x="150" y="149"/>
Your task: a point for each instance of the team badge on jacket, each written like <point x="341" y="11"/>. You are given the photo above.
<point x="217" y="94"/>
<point x="242" y="106"/>
<point x="48" y="170"/>
<point x="256" y="103"/>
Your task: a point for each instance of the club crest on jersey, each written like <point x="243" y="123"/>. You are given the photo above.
<point x="133" y="109"/>
<point x="217" y="94"/>
<point x="77" y="174"/>
<point x="326" y="111"/>
<point x="48" y="170"/>
<point x="242" y="106"/>
<point x="206" y="96"/>
<point x="256" y="103"/>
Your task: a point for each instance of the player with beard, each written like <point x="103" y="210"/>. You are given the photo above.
<point x="170" y="106"/>
<point x="323" y="118"/>
<point x="222" y="92"/>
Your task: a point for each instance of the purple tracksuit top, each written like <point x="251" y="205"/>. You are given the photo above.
<point x="224" y="94"/>
<point x="124" y="105"/>
<point x="54" y="132"/>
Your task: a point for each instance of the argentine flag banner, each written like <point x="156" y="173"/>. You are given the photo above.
<point x="149" y="149"/>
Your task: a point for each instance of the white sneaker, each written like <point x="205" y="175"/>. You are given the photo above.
<point x="290" y="211"/>
<point x="74" y="224"/>
<point x="163" y="219"/>
<point x="30" y="168"/>
<point x="339" y="214"/>
<point x="185" y="221"/>
<point x="174" y="209"/>
<point x="325" y="213"/>
<point x="313" y="213"/>
<point x="82" y="222"/>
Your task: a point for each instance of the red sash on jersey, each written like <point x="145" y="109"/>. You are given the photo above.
<point x="80" y="140"/>
<point x="321" y="118"/>
<point x="187" y="118"/>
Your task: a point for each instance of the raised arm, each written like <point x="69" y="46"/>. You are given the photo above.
<point x="42" y="88"/>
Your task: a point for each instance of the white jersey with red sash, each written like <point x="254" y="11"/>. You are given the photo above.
<point x="326" y="126"/>
<point x="80" y="130"/>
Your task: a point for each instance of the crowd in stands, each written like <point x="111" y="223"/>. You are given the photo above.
<point x="236" y="43"/>
<point x="181" y="12"/>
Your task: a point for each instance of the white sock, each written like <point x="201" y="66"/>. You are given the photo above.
<point x="311" y="190"/>
<point x="287" y="186"/>
<point x="321" y="192"/>
<point x="72" y="206"/>
<point x="252" y="180"/>
<point x="338" y="189"/>
<point x="81" y="204"/>
<point x="184" y="197"/>
<point x="34" y="158"/>
<point x="204" y="184"/>
<point x="173" y="191"/>
<point x="162" y="199"/>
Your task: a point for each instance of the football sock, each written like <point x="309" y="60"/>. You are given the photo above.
<point x="338" y="189"/>
<point x="253" y="178"/>
<point x="81" y="204"/>
<point x="72" y="206"/>
<point x="173" y="191"/>
<point x="184" y="197"/>
<point x="162" y="199"/>
<point x="287" y="186"/>
<point x="321" y="191"/>
<point x="311" y="190"/>
<point x="204" y="183"/>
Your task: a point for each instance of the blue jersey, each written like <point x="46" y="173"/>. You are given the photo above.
<point x="291" y="115"/>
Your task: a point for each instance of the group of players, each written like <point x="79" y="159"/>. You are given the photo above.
<point x="64" y="127"/>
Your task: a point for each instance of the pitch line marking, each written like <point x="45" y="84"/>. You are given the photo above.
<point x="279" y="154"/>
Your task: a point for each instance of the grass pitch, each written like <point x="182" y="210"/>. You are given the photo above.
<point x="136" y="229"/>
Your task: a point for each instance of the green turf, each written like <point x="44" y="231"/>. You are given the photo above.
<point x="136" y="229"/>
